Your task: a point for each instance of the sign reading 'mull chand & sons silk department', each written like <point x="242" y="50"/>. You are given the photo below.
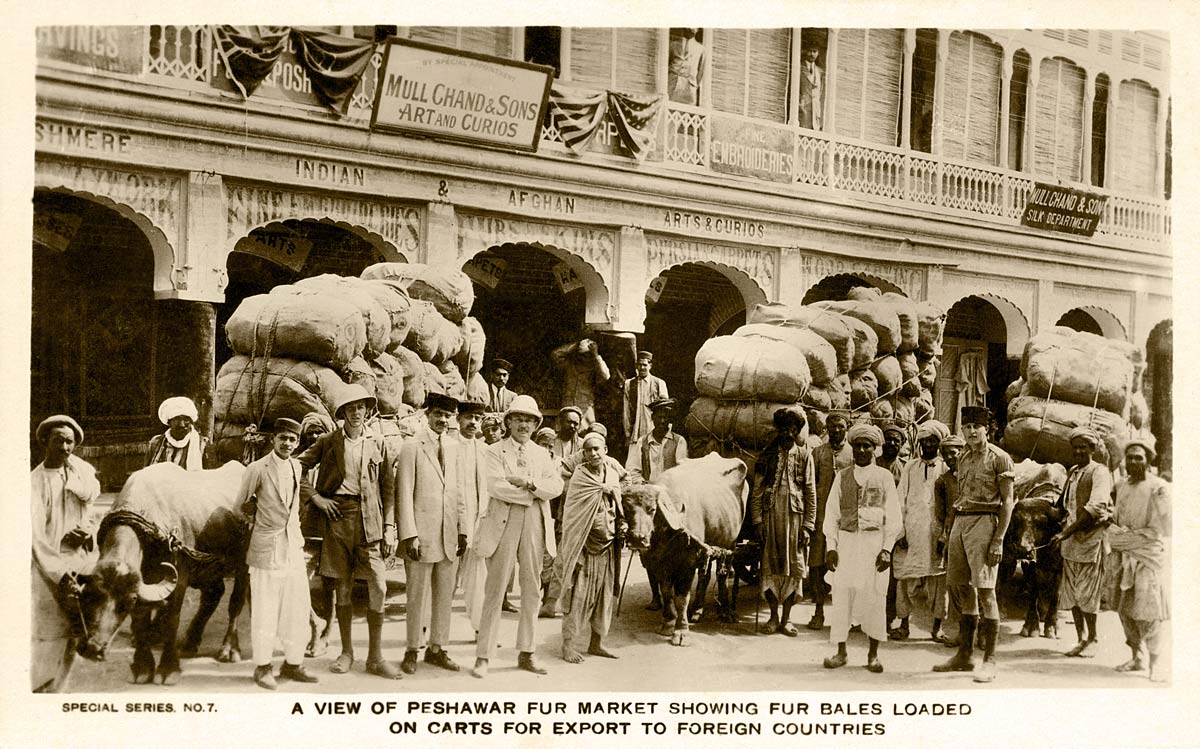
<point x="451" y="94"/>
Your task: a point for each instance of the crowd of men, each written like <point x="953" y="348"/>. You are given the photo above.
<point x="479" y="494"/>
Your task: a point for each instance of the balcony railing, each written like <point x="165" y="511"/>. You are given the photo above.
<point x="185" y="57"/>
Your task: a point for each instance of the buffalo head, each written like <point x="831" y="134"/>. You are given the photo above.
<point x="640" y="503"/>
<point x="1034" y="523"/>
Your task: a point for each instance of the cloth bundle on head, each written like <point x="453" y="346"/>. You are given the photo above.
<point x="1146" y="441"/>
<point x="865" y="433"/>
<point x="177" y="406"/>
<point x="1085" y="433"/>
<point x="932" y="428"/>
<point x="316" y="418"/>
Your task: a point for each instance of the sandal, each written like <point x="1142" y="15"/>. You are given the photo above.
<point x="342" y="664"/>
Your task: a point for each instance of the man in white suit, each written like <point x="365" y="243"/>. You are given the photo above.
<point x="432" y="514"/>
<point x="473" y="453"/>
<point x="279" y="602"/>
<point x="516" y="526"/>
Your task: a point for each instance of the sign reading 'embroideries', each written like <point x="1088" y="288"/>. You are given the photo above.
<point x="459" y="95"/>
<point x="1063" y="209"/>
<point x="750" y="149"/>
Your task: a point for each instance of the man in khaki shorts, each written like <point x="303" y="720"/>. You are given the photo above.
<point x="981" y="516"/>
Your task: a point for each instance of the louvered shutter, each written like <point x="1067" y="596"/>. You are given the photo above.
<point x="851" y="67"/>
<point x="1058" y="142"/>
<point x="770" y="60"/>
<point x="1136" y="151"/>
<point x="868" y="84"/>
<point x="971" y="103"/>
<point x="447" y="36"/>
<point x="729" y="70"/>
<point x="488" y="40"/>
<point x="591" y="58"/>
<point x="637" y="60"/>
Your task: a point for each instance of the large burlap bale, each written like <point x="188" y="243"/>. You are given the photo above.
<point x="881" y="411"/>
<point x="818" y="397"/>
<point x="829" y="325"/>
<point x="923" y="408"/>
<point x="927" y="375"/>
<point x="376" y="317"/>
<point x="477" y="389"/>
<point x="446" y="287"/>
<point x="1032" y="479"/>
<point x="325" y="330"/>
<point x="432" y="336"/>
<point x="359" y="372"/>
<point x="864" y="387"/>
<point x="730" y="367"/>
<point x="1040" y="430"/>
<point x="392" y="297"/>
<point x="470" y="355"/>
<point x="434" y="381"/>
<point x="1080" y="368"/>
<point x="880" y="315"/>
<point x="887" y="375"/>
<point x="452" y="380"/>
<point x="839" y="392"/>
<point x="1139" y="411"/>
<point x="904" y="409"/>
<point x="931" y="323"/>
<point x="815" y="420"/>
<point x="863" y="294"/>
<point x="910" y="371"/>
<point x="906" y="313"/>
<point x="818" y="352"/>
<point x="389" y="383"/>
<point x="260" y="390"/>
<point x="1015" y="390"/>
<point x="414" y="375"/>
<point x="749" y="423"/>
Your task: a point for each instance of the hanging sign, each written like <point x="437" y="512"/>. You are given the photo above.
<point x="485" y="271"/>
<point x="656" y="288"/>
<point x="1064" y="209"/>
<point x="278" y="244"/>
<point x="114" y="49"/>
<point x="55" y="229"/>
<point x="568" y="280"/>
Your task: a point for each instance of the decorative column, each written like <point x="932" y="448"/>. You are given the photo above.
<point x="1044" y="319"/>
<point x="1160" y="141"/>
<point x="939" y="86"/>
<point x="796" y="62"/>
<point x="440" y="245"/>
<point x="1089" y="103"/>
<point x="1035" y="65"/>
<point x="1113" y="133"/>
<point x="906" y="83"/>
<point x="627" y="310"/>
<point x="790" y="287"/>
<point x="1006" y="71"/>
<point x="831" y="77"/>
<point x="200" y="271"/>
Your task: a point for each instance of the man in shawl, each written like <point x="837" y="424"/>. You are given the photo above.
<point x="918" y="562"/>
<point x="1139" y="571"/>
<point x="586" y="563"/>
<point x="862" y="523"/>
<point x="783" y="510"/>
<point x="828" y="459"/>
<point x="1087" y="498"/>
<point x="64" y="488"/>
<point x="181" y="443"/>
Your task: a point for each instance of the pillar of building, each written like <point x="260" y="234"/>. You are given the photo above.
<point x="1089" y="103"/>
<point x="628" y="310"/>
<point x="441" y="236"/>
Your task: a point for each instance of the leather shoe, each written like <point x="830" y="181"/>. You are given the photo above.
<point x="264" y="678"/>
<point x="296" y="673"/>
<point x="441" y="659"/>
<point x="409" y="664"/>
<point x="525" y="663"/>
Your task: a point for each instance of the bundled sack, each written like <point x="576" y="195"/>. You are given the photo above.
<point x="1083" y="368"/>
<point x="882" y="411"/>
<point x="904" y="409"/>
<point x="866" y="343"/>
<point x="818" y="352"/>
<point x="227" y="442"/>
<point x="449" y="289"/>
<point x="906" y="313"/>
<point x="1015" y="390"/>
<point x="258" y="391"/>
<point x="888" y="375"/>
<point x="839" y="392"/>
<point x="414" y="375"/>
<point x="879" y="315"/>
<point x="818" y="397"/>
<point x="394" y="300"/>
<point x="453" y="383"/>
<point x="829" y="325"/>
<point x="477" y="389"/>
<point x="470" y="355"/>
<point x="1139" y="411"/>
<point x="1038" y="480"/>
<point x="864" y="388"/>
<point x="910" y="374"/>
<point x="376" y="317"/>
<point x="923" y="408"/>
<point x="433" y="337"/>
<point x="749" y="423"/>
<point x="863" y="294"/>
<point x="435" y="382"/>
<point x="359" y="372"/>
<point x="927" y="375"/>
<point x="751" y="368"/>
<point x="1040" y="430"/>
<point x="931" y="324"/>
<point x="389" y="383"/>
<point x="326" y="330"/>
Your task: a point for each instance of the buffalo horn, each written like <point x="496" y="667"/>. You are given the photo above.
<point x="161" y="590"/>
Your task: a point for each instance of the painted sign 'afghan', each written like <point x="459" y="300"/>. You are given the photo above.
<point x="1063" y="209"/>
<point x="447" y="93"/>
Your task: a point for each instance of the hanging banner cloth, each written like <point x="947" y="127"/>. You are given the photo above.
<point x="577" y="116"/>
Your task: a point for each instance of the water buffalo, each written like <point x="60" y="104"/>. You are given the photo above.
<point x="679" y="524"/>
<point x="169" y="530"/>
<point x="1034" y="521"/>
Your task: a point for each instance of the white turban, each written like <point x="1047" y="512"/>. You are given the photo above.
<point x="932" y="428"/>
<point x="177" y="406"/>
<point x="868" y="432"/>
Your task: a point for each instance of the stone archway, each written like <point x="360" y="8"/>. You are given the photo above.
<point x="836" y="286"/>
<point x="985" y="334"/>
<point x="1092" y="319"/>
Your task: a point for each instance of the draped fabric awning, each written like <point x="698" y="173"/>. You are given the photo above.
<point x="334" y="64"/>
<point x="578" y="114"/>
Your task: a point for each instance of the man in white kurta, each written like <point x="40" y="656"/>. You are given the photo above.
<point x="279" y="600"/>
<point x="472" y="569"/>
<point x="862" y="522"/>
<point x="63" y="487"/>
<point x="918" y="564"/>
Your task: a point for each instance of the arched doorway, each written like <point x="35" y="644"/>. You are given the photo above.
<point x="1095" y="320"/>
<point x="1158" y="382"/>
<point x="981" y="349"/>
<point x="287" y="251"/>
<point x="102" y="349"/>
<point x="837" y="287"/>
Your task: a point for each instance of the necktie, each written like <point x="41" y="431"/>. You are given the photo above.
<point x="441" y="454"/>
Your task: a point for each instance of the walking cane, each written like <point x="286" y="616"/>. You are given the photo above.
<point x="621" y="595"/>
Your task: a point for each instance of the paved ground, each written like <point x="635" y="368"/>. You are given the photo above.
<point x="725" y="657"/>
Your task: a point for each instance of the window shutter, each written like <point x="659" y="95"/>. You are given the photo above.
<point x="729" y="70"/>
<point x="955" y="97"/>
<point x="770" y="60"/>
<point x="488" y="40"/>
<point x="1136" y="150"/>
<point x="637" y="61"/>
<point x="983" y="106"/>
<point x="592" y="58"/>
<point x="447" y="36"/>
<point x="1058" y="142"/>
<point x="885" y="62"/>
<point x="851" y="67"/>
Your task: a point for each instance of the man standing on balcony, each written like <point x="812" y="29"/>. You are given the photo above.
<point x="685" y="66"/>
<point x="812" y="90"/>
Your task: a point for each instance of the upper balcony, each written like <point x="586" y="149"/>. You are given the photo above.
<point x="182" y="61"/>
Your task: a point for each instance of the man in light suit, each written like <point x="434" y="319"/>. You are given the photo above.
<point x="640" y="392"/>
<point x="279" y="602"/>
<point x="516" y="526"/>
<point x="360" y="530"/>
<point x="432" y="513"/>
<point x="473" y="454"/>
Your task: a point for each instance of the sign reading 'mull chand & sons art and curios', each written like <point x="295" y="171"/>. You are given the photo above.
<point x="456" y="95"/>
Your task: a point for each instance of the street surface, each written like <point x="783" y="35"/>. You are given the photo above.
<point x="718" y="657"/>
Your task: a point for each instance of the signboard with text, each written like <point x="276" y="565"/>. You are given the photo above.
<point x="114" y="49"/>
<point x="750" y="149"/>
<point x="1063" y="209"/>
<point x="448" y="93"/>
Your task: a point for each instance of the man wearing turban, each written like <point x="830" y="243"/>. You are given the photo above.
<point x="1087" y="498"/>
<point x="828" y="458"/>
<point x="862" y="523"/>
<point x="918" y="563"/>
<point x="181" y="443"/>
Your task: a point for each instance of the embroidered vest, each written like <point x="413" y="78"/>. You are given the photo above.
<point x="855" y="498"/>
